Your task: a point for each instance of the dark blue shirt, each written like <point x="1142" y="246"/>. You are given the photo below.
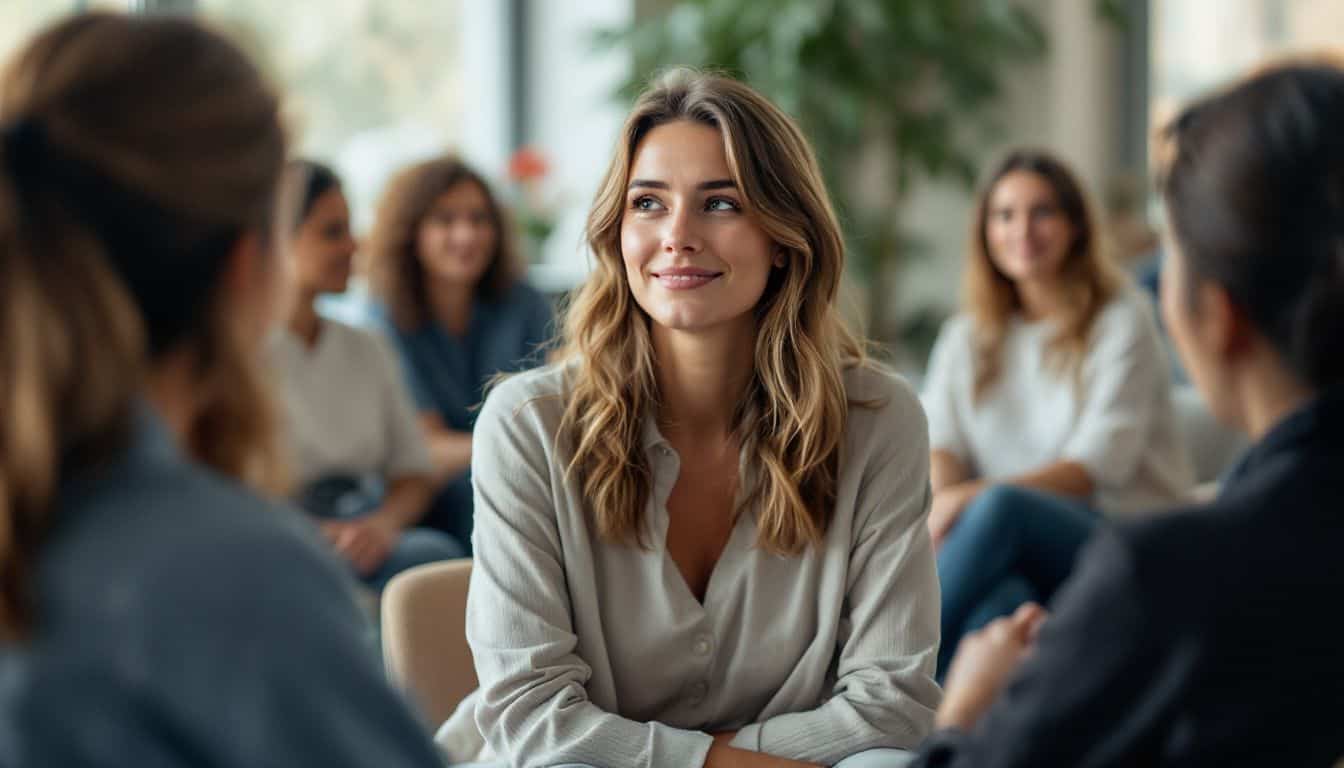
<point x="183" y="621"/>
<point x="448" y="374"/>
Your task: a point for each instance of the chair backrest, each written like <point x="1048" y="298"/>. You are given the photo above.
<point x="424" y="636"/>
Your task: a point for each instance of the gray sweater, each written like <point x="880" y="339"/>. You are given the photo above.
<point x="186" y="622"/>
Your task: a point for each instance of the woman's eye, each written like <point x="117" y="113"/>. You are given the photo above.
<point x="721" y="204"/>
<point x="645" y="203"/>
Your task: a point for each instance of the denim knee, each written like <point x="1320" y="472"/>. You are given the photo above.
<point x="991" y="512"/>
<point x="424" y="545"/>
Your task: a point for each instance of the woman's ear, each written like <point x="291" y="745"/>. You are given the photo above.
<point x="1226" y="329"/>
<point x="252" y="282"/>
<point x="780" y="257"/>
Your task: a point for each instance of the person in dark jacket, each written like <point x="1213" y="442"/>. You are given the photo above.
<point x="1212" y="635"/>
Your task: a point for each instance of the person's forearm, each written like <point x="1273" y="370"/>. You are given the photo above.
<point x="1066" y="478"/>
<point x="450" y="452"/>
<point x="406" y="500"/>
<point x="946" y="470"/>
<point x="723" y="756"/>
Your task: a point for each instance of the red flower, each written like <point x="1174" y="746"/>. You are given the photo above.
<point x="527" y="164"/>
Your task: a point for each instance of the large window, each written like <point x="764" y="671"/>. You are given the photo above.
<point x="369" y="85"/>
<point x="1199" y="44"/>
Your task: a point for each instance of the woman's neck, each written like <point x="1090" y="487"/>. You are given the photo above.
<point x="171" y="389"/>
<point x="1041" y="299"/>
<point x="303" y="320"/>
<point x="1269" y="394"/>
<point x="701" y="378"/>
<point x="450" y="305"/>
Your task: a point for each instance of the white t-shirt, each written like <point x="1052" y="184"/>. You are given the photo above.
<point x="346" y="406"/>
<point x="1118" y="420"/>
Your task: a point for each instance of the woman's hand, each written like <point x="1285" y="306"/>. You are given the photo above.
<point x="948" y="504"/>
<point x="365" y="542"/>
<point x="984" y="662"/>
<point x="724" y="738"/>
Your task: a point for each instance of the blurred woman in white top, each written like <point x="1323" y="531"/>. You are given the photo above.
<point x="1048" y="399"/>
<point x="360" y="461"/>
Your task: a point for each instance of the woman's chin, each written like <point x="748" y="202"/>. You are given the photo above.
<point x="695" y="323"/>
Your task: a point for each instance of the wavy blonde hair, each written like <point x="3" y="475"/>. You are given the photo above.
<point x="121" y="193"/>
<point x="991" y="298"/>
<point x="792" y="418"/>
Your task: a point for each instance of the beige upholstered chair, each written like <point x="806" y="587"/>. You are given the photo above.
<point x="424" y="636"/>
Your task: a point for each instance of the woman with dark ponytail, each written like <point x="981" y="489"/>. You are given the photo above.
<point x="156" y="610"/>
<point x="1211" y="635"/>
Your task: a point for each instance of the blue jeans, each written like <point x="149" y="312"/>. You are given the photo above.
<point x="1011" y="545"/>
<point x="870" y="758"/>
<point x="452" y="511"/>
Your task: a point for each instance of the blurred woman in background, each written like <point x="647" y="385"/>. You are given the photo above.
<point x="358" y="453"/>
<point x="1048" y="399"/>
<point x="157" y="611"/>
<point x="443" y="264"/>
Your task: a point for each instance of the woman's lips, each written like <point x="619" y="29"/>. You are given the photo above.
<point x="685" y="278"/>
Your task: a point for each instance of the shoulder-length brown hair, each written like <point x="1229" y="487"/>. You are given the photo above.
<point x="116" y="179"/>
<point x="991" y="298"/>
<point x="792" y="418"/>
<point x="395" y="270"/>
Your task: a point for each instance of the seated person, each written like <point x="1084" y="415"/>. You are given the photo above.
<point x="155" y="608"/>
<point x="1048" y="399"/>
<point x="1210" y="635"/>
<point x="444" y="267"/>
<point x="359" y="457"/>
<point x="701" y="536"/>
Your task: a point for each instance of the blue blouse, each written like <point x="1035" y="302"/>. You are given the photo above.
<point x="448" y="374"/>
